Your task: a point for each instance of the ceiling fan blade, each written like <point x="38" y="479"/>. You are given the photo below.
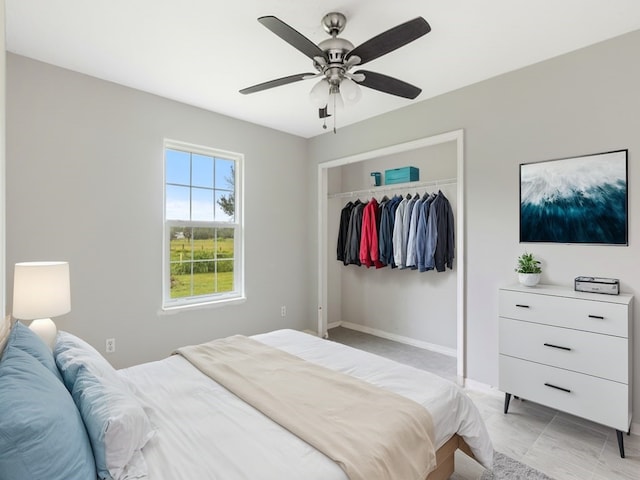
<point x="291" y="36"/>
<point x="390" y="40"/>
<point x="276" y="83"/>
<point x="386" y="84"/>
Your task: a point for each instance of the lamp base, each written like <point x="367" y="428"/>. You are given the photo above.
<point x="46" y="330"/>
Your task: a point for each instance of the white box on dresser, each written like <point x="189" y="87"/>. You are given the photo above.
<point x="569" y="350"/>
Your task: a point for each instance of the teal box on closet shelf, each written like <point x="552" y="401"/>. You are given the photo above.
<point x="401" y="175"/>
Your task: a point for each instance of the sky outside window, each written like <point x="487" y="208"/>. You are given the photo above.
<point x="195" y="183"/>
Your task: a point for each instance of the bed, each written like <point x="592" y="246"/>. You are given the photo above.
<point x="172" y="422"/>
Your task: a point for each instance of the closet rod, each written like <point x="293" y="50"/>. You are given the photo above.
<point x="396" y="186"/>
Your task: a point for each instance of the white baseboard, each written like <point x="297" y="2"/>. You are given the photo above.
<point x="334" y="325"/>
<point x="397" y="338"/>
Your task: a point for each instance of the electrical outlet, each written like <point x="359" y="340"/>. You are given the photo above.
<point x="110" y="346"/>
<point x="283" y="311"/>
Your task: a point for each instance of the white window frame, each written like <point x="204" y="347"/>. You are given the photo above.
<point x="216" y="299"/>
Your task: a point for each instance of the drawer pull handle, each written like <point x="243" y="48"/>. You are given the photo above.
<point x="521" y="306"/>
<point x="596" y="316"/>
<point x="557" y="346"/>
<point x="558" y="388"/>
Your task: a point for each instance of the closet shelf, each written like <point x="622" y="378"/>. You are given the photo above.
<point x="394" y="187"/>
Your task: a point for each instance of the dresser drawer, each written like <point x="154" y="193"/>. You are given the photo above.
<point x="603" y="401"/>
<point x="602" y="356"/>
<point x="588" y="315"/>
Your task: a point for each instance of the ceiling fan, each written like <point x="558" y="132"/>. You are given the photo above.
<point x="334" y="57"/>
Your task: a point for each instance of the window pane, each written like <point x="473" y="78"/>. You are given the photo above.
<point x="225" y="206"/>
<point x="180" y="262"/>
<point x="204" y="278"/>
<point x="201" y="261"/>
<point x="203" y="244"/>
<point x="202" y="171"/>
<point x="178" y="169"/>
<point x="202" y="204"/>
<point x="225" y="174"/>
<point x="224" y="243"/>
<point x="225" y="276"/>
<point x="180" y="244"/>
<point x="180" y="284"/>
<point x="177" y="207"/>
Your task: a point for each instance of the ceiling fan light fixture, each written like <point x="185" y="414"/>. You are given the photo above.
<point x="319" y="94"/>
<point x="350" y="91"/>
<point x="334" y="57"/>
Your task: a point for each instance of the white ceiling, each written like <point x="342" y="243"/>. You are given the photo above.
<point x="201" y="52"/>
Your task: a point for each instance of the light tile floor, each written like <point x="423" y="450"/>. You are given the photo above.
<point x="561" y="445"/>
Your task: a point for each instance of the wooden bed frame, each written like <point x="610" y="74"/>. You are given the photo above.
<point x="445" y="458"/>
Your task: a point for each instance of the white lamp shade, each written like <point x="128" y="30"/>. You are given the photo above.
<point x="319" y="94"/>
<point x="350" y="91"/>
<point x="41" y="290"/>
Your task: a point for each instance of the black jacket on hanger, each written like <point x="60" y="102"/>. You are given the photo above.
<point x="345" y="215"/>
<point x="445" y="244"/>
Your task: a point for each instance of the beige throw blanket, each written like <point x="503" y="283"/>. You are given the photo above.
<point x="373" y="434"/>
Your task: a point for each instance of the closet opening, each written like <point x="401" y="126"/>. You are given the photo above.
<point x="424" y="309"/>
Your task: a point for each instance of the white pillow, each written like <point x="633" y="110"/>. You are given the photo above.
<point x="117" y="425"/>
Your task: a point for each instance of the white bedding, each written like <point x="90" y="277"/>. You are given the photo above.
<point x="205" y="432"/>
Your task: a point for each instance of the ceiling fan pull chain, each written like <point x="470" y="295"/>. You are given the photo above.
<point x="335" y="113"/>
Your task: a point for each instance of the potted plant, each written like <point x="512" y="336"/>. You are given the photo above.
<point x="528" y="269"/>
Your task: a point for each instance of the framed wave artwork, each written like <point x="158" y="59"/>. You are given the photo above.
<point x="575" y="200"/>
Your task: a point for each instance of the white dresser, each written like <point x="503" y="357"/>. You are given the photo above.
<point x="568" y="350"/>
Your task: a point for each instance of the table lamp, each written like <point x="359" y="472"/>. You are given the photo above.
<point x="41" y="290"/>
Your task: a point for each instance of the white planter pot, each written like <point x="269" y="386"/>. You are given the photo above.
<point x="529" y="279"/>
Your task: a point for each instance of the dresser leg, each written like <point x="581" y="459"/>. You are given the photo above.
<point x="620" y="443"/>
<point x="507" y="399"/>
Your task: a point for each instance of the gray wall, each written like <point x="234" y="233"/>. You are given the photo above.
<point x="583" y="102"/>
<point x="85" y="163"/>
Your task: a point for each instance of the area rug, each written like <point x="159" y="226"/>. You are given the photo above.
<point x="505" y="467"/>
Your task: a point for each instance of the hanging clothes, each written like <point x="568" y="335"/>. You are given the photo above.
<point x="423" y="237"/>
<point x="382" y="205"/>
<point x="345" y="215"/>
<point x="354" y="232"/>
<point x="412" y="232"/>
<point x="406" y="227"/>
<point x="385" y="232"/>
<point x="399" y="247"/>
<point x="413" y="229"/>
<point x="369" y="254"/>
<point x="441" y="221"/>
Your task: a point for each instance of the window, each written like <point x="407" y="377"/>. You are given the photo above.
<point x="202" y="226"/>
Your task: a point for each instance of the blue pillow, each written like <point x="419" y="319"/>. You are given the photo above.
<point x="117" y="424"/>
<point x="41" y="432"/>
<point x="22" y="338"/>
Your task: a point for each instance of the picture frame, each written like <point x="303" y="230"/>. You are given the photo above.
<point x="576" y="200"/>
